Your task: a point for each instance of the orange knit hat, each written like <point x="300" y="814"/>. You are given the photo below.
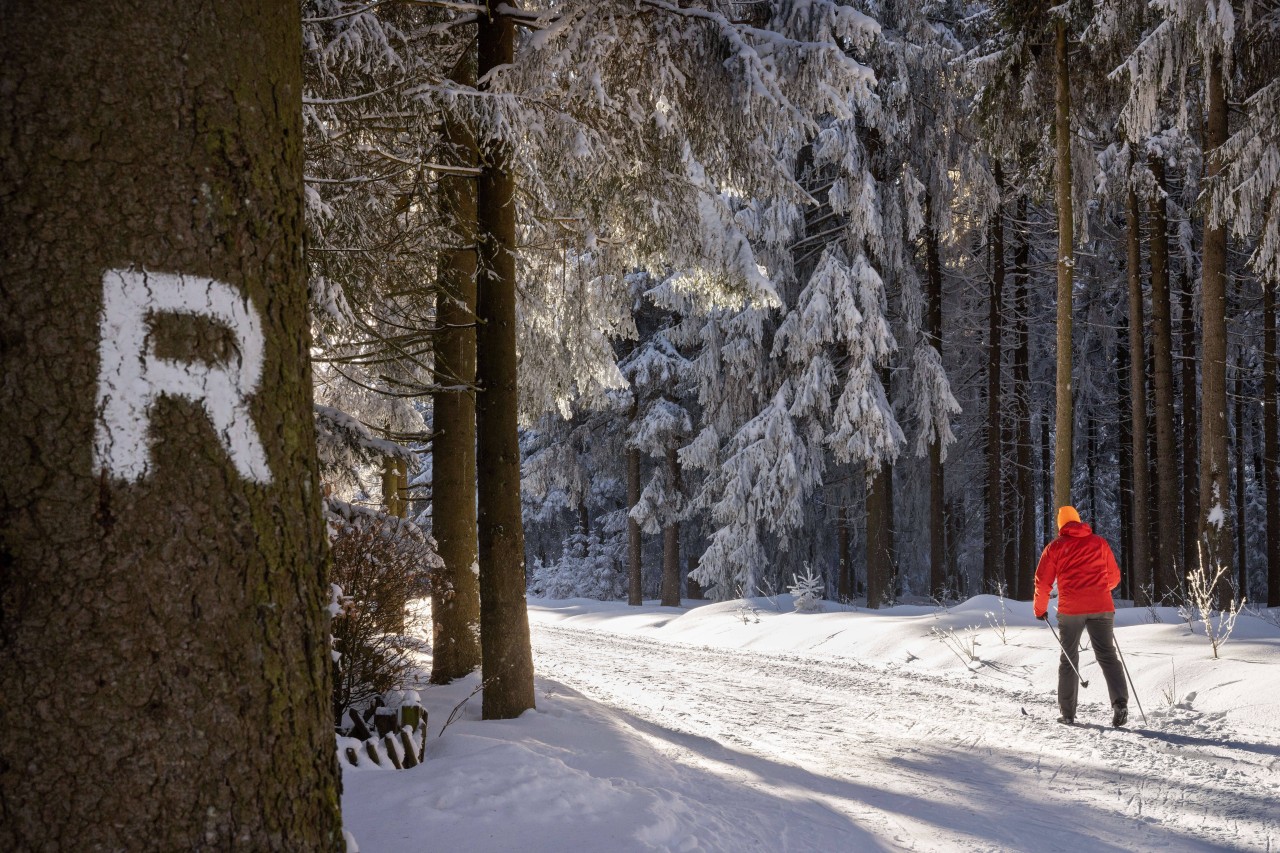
<point x="1066" y="515"/>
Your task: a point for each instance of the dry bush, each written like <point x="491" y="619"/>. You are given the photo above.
<point x="379" y="563"/>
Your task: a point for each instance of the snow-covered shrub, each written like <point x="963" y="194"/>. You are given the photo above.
<point x="379" y="563"/>
<point x="808" y="591"/>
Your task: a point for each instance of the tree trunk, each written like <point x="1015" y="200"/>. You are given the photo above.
<point x="162" y="591"/>
<point x="993" y="551"/>
<point x="694" y="588"/>
<point x="1271" y="441"/>
<point x="933" y="334"/>
<point x="845" y="586"/>
<point x="1242" y="557"/>
<point x="1190" y="432"/>
<point x="1140" y="522"/>
<point x="507" y="660"/>
<point x="1215" y="488"/>
<point x="1046" y="482"/>
<point x="1124" y="376"/>
<point x="1027" y="551"/>
<point x="1166" y="574"/>
<point x="879" y="539"/>
<point x="671" y="539"/>
<point x="455" y="590"/>
<point x="635" y="569"/>
<point x="1062" y="458"/>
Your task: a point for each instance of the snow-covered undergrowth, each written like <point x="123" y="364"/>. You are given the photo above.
<point x="692" y="729"/>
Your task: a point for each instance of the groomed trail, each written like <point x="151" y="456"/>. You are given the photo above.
<point x="925" y="762"/>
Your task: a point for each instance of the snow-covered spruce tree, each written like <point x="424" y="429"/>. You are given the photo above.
<point x="658" y="373"/>
<point x="163" y="592"/>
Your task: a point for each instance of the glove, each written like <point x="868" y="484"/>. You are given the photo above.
<point x="1043" y="617"/>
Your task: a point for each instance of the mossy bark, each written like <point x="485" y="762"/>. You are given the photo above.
<point x="178" y="620"/>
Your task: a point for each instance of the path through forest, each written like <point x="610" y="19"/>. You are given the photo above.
<point x="921" y="761"/>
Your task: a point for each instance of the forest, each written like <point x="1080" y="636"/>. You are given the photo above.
<point x="363" y="304"/>
<point x="860" y="292"/>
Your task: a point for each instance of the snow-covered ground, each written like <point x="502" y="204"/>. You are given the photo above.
<point x="741" y="726"/>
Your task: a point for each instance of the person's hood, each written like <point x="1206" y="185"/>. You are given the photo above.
<point x="1075" y="528"/>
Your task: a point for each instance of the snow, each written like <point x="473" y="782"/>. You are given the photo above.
<point x="748" y="726"/>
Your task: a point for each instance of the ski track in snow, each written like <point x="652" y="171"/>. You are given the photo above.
<point x="922" y="762"/>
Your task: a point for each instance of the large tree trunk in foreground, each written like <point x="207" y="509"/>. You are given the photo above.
<point x="1168" y="535"/>
<point x="1062" y="456"/>
<point x="507" y="659"/>
<point x="1215" y="488"/>
<point x="162" y="590"/>
<point x="455" y="589"/>
<point x="1139" y="526"/>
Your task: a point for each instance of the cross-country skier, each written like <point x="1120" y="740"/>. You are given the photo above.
<point x="1086" y="571"/>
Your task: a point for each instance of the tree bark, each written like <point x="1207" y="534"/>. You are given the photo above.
<point x="937" y="483"/>
<point x="1242" y="557"/>
<point x="1165" y="577"/>
<point x="1215" y="487"/>
<point x="1271" y="442"/>
<point x="845" y="585"/>
<point x="671" y="540"/>
<point x="879" y="538"/>
<point x="1124" y="376"/>
<point x="635" y="576"/>
<point x="1140" y="522"/>
<point x="507" y="659"/>
<point x="1062" y="457"/>
<point x="993" y="575"/>
<point x="455" y="590"/>
<point x="695" y="588"/>
<point x="162" y="602"/>
<point x="1048" y="519"/>
<point x="1190" y="431"/>
<point x="1027" y="551"/>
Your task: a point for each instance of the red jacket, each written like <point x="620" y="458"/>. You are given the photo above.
<point x="1085" y="569"/>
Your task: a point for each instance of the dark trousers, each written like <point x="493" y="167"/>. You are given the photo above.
<point x="1101" y="628"/>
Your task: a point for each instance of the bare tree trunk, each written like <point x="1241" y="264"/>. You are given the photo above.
<point x="845" y="586"/>
<point x="1215" y="488"/>
<point x="694" y="588"/>
<point x="1271" y="442"/>
<point x="937" y="484"/>
<point x="635" y="578"/>
<point x="1242" y="557"/>
<point x="507" y="659"/>
<point x="1027" y="551"/>
<point x="1190" y="432"/>
<point x="162" y="567"/>
<point x="993" y="551"/>
<point x="1140" y="522"/>
<point x="1124" y="375"/>
<point x="879" y="538"/>
<point x="671" y="539"/>
<point x="1046" y="481"/>
<point x="1062" y="457"/>
<point x="1166" y="574"/>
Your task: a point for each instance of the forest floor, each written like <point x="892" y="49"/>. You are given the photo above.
<point x="742" y="726"/>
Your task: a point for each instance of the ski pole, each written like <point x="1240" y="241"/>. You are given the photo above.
<point x="1083" y="683"/>
<point x="1128" y="676"/>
